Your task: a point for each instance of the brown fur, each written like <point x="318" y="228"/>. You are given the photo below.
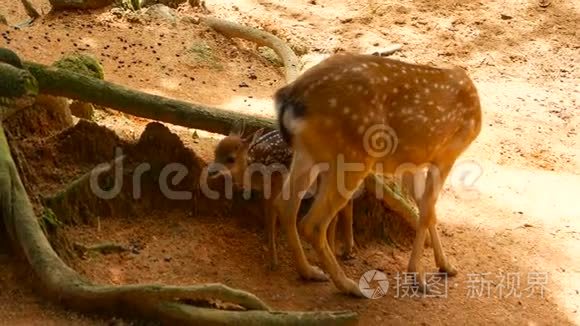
<point x="434" y="114"/>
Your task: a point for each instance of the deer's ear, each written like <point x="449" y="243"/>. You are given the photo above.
<point x="237" y="129"/>
<point x="252" y="138"/>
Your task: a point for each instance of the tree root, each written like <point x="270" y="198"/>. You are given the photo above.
<point x="289" y="58"/>
<point x="102" y="248"/>
<point x="79" y="4"/>
<point x="159" y="302"/>
<point x="30" y="11"/>
<point x="387" y="51"/>
<point x="18" y="88"/>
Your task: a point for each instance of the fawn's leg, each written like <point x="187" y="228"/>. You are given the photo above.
<point x="433" y="184"/>
<point x="271" y="221"/>
<point x="271" y="225"/>
<point x="286" y="206"/>
<point x="348" y="234"/>
<point x="314" y="225"/>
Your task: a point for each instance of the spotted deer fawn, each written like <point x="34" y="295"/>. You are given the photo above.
<point x="260" y="162"/>
<point x="386" y="117"/>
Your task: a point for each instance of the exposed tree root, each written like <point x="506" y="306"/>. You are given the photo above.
<point x="30" y="11"/>
<point x="79" y="4"/>
<point x="387" y="51"/>
<point x="18" y="88"/>
<point x="289" y="58"/>
<point x="102" y="248"/>
<point x="159" y="302"/>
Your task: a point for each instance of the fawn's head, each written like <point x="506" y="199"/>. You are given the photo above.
<point x="230" y="154"/>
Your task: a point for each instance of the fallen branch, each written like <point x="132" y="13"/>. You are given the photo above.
<point x="60" y="82"/>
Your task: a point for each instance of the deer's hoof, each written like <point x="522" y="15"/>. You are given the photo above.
<point x="448" y="269"/>
<point x="314" y="274"/>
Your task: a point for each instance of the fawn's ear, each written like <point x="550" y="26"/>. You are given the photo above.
<point x="257" y="135"/>
<point x="251" y="138"/>
<point x="237" y="129"/>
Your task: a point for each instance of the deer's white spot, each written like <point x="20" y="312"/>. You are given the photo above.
<point x="406" y="86"/>
<point x="360" y="129"/>
<point x="332" y="102"/>
<point x="346" y="110"/>
<point x="385" y="78"/>
<point x="395" y="90"/>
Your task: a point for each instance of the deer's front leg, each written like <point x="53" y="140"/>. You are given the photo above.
<point x="286" y="207"/>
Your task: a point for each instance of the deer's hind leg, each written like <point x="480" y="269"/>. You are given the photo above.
<point x="315" y="224"/>
<point x="346" y="219"/>
<point x="436" y="176"/>
<point x="408" y="183"/>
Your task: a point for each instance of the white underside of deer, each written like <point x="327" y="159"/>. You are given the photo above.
<point x="352" y="115"/>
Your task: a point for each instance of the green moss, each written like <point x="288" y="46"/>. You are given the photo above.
<point x="203" y="53"/>
<point x="271" y="56"/>
<point x="82" y="64"/>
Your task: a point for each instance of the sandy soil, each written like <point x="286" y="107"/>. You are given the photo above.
<point x="521" y="216"/>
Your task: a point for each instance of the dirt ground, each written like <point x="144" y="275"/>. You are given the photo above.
<point x="520" y="220"/>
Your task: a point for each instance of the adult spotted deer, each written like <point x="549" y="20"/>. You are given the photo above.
<point x="368" y="114"/>
<point x="260" y="162"/>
